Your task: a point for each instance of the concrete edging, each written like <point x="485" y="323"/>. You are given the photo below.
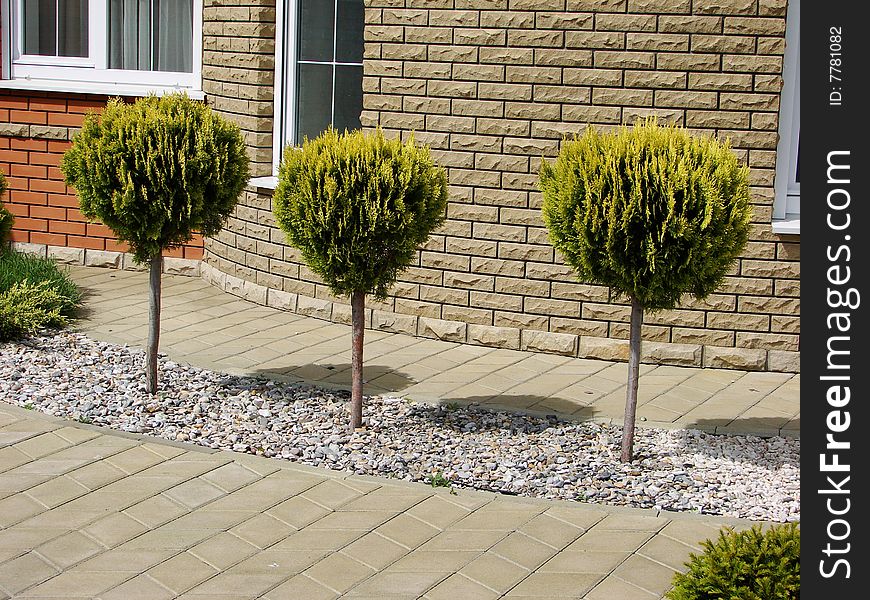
<point x="107" y="259"/>
<point x="565" y="344"/>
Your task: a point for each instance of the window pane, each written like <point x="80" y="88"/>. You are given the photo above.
<point x="348" y="97"/>
<point x="130" y="34"/>
<point x="40" y="27"/>
<point x="151" y="35"/>
<point x="316" y="24"/>
<point x="72" y="35"/>
<point x="314" y="96"/>
<point x="173" y="35"/>
<point x="349" y="37"/>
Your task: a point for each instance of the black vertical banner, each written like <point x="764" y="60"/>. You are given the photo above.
<point x="835" y="298"/>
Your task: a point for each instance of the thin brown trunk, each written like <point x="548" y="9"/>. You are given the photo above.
<point x="153" y="323"/>
<point x="357" y="308"/>
<point x="633" y="374"/>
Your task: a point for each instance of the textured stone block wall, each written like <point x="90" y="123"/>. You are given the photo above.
<point x="493" y="86"/>
<point x="238" y="70"/>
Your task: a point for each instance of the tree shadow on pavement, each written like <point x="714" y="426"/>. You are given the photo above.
<point x="377" y="379"/>
<point x="501" y="412"/>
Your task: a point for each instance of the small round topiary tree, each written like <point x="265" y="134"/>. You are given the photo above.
<point x="6" y="219"/>
<point x="749" y="565"/>
<point x="653" y="213"/>
<point x="358" y="206"/>
<point x="156" y="172"/>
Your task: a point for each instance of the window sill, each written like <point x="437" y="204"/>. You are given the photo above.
<point x="102" y="89"/>
<point x="263" y="183"/>
<point x="790" y="225"/>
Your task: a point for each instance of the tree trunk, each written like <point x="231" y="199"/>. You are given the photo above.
<point x="357" y="307"/>
<point x="631" y="392"/>
<point x="153" y="323"/>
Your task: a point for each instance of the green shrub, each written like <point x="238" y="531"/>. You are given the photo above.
<point x="156" y="172"/>
<point x="653" y="213"/>
<point x="17" y="268"/>
<point x="650" y="211"/>
<point x="749" y="565"/>
<point x="358" y="206"/>
<point x="26" y="307"/>
<point x="34" y="293"/>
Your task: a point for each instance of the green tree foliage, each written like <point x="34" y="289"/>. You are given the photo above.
<point x="650" y="211"/>
<point x="653" y="213"/>
<point x="156" y="172"/>
<point x="358" y="206"/>
<point x="749" y="565"/>
<point x="6" y="218"/>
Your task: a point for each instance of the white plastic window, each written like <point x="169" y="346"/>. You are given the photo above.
<point x="102" y="46"/>
<point x="318" y="69"/>
<point x="787" y="205"/>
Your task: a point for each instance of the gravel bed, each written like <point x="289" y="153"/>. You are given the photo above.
<point x="70" y="375"/>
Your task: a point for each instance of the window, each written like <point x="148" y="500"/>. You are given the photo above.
<point x="787" y="204"/>
<point x="102" y="46"/>
<point x="318" y="69"/>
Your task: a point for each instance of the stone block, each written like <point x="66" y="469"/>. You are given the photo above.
<point x="254" y="292"/>
<point x="603" y="348"/>
<point x="544" y="341"/>
<point x="495" y="337"/>
<point x="66" y="256"/>
<point x="449" y="331"/>
<point x="341" y="313"/>
<point x="214" y="276"/>
<point x="394" y="323"/>
<point x="26" y="248"/>
<point x="181" y="266"/>
<point x="314" y="307"/>
<point x="234" y="285"/>
<point x="281" y="300"/>
<point x="103" y="258"/>
<point x="578" y="327"/>
<point x="783" y="361"/>
<point x="746" y="359"/>
<point x="684" y="355"/>
<point x="128" y="263"/>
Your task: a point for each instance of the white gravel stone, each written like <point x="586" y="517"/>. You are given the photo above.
<point x="69" y="375"/>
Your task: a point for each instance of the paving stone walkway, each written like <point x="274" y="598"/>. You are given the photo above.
<point x="209" y="328"/>
<point x="91" y="513"/>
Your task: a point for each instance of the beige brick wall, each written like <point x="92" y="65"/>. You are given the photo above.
<point x="238" y="70"/>
<point x="493" y="86"/>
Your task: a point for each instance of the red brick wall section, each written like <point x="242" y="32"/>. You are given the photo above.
<point x="35" y="129"/>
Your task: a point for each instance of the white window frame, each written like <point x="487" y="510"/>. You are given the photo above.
<point x="285" y="115"/>
<point x="286" y="19"/>
<point x="787" y="201"/>
<point x="90" y="75"/>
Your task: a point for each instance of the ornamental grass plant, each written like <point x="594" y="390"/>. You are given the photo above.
<point x="34" y="293"/>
